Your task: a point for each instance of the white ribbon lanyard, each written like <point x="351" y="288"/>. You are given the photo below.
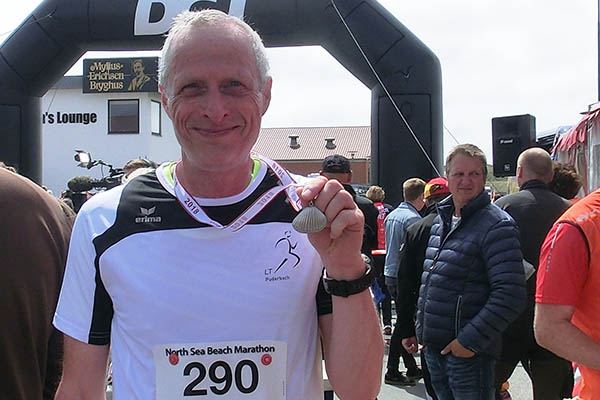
<point x="193" y="208"/>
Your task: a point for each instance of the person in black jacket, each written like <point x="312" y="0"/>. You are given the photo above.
<point x="338" y="167"/>
<point x="410" y="270"/>
<point x="534" y="208"/>
<point x="473" y="284"/>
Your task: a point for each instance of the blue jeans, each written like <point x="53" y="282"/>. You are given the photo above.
<point x="455" y="378"/>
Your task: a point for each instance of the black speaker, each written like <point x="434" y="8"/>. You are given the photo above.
<point x="510" y="136"/>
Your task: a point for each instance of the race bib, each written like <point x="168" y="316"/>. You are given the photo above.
<point x="221" y="370"/>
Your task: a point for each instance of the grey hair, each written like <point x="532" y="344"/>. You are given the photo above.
<point x="195" y="19"/>
<point x="469" y="150"/>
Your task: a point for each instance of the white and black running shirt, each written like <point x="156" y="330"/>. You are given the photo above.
<point x="145" y="277"/>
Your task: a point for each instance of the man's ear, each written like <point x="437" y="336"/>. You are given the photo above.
<point x="266" y="93"/>
<point x="519" y="171"/>
<point x="164" y="99"/>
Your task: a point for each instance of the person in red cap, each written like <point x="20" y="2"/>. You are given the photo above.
<point x="410" y="269"/>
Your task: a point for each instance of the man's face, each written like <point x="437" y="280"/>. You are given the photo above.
<point x="138" y="68"/>
<point x="214" y="97"/>
<point x="465" y="179"/>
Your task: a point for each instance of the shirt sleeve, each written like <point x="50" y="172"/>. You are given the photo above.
<point x="324" y="302"/>
<point x="563" y="266"/>
<point x="77" y="311"/>
<point x="393" y="239"/>
<point x="409" y="270"/>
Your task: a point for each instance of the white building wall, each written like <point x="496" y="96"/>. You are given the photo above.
<point x="59" y="140"/>
<point x="165" y="147"/>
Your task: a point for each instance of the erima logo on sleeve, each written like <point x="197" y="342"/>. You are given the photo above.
<point x="146" y="216"/>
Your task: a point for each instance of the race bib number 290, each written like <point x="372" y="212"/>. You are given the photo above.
<point x="222" y="370"/>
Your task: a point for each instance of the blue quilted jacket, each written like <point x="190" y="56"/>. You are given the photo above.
<point x="473" y="285"/>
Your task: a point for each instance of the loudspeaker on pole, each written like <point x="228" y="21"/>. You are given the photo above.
<point x="510" y="136"/>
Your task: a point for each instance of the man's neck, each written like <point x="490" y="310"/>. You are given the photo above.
<point x="529" y="182"/>
<point x="208" y="183"/>
<point x="457" y="208"/>
<point x="414" y="204"/>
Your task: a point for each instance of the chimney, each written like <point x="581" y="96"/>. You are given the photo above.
<point x="294" y="142"/>
<point x="329" y="143"/>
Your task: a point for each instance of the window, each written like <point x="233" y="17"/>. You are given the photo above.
<point x="123" y="116"/>
<point x="155" y="117"/>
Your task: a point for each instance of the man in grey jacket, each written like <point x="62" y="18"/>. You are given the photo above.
<point x="473" y="283"/>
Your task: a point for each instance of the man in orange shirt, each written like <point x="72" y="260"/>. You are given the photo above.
<point x="567" y="319"/>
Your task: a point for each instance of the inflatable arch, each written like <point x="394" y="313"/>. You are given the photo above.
<point x="59" y="32"/>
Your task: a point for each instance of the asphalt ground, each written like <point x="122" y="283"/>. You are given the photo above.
<point x="520" y="385"/>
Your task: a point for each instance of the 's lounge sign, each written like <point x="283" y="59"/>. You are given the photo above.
<point x="120" y="75"/>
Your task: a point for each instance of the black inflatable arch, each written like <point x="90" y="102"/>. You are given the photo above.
<point x="59" y="32"/>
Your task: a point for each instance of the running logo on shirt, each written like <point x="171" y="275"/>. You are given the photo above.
<point x="290" y="259"/>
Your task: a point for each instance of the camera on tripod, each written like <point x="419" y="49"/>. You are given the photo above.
<point x="80" y="184"/>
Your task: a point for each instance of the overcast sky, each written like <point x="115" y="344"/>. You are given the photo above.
<point x="498" y="58"/>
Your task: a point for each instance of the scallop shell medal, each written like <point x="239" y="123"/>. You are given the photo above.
<point x="310" y="220"/>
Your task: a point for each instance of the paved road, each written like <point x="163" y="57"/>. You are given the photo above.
<point x="520" y="386"/>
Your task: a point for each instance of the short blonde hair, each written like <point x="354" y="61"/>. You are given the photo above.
<point x="413" y="188"/>
<point x="376" y="194"/>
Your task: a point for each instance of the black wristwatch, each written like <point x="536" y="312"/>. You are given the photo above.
<point x="348" y="288"/>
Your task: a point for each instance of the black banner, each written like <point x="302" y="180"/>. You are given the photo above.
<point x="120" y="75"/>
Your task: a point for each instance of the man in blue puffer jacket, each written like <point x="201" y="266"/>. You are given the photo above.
<point x="473" y="284"/>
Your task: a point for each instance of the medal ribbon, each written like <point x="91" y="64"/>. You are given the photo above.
<point x="193" y="208"/>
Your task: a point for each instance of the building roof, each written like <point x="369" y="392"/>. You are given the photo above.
<point x="69" y="82"/>
<point x="349" y="141"/>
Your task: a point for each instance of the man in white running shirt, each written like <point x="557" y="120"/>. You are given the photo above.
<point x="193" y="275"/>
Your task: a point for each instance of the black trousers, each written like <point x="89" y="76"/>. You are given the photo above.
<point x="551" y="376"/>
<point x="385" y="307"/>
<point x="396" y="348"/>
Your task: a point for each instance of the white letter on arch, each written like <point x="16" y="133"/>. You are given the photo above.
<point x="142" y="26"/>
